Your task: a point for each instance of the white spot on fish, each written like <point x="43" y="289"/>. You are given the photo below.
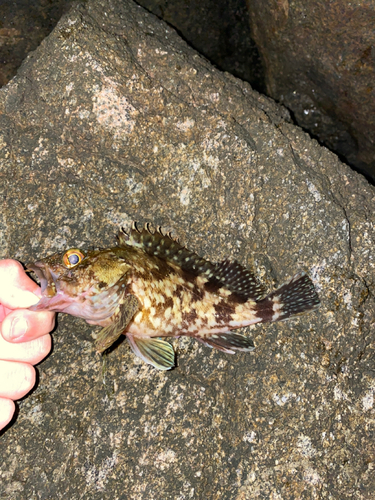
<point x="146" y="303"/>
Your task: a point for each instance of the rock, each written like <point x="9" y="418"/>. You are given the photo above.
<point x="23" y="26"/>
<point x="113" y="119"/>
<point x="319" y="60"/>
<point x="218" y="29"/>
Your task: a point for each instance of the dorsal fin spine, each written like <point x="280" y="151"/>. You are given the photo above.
<point x="231" y="275"/>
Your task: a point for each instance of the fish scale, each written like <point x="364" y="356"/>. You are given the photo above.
<point x="150" y="286"/>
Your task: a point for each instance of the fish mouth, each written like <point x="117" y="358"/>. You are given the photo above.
<point x="46" y="277"/>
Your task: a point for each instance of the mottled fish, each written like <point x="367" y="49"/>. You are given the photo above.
<point x="149" y="286"/>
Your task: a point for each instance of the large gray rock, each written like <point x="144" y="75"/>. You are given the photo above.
<point x="113" y="119"/>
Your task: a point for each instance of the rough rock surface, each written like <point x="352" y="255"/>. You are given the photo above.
<point x="218" y="29"/>
<point x="319" y="60"/>
<point x="23" y="25"/>
<point x="113" y="119"/>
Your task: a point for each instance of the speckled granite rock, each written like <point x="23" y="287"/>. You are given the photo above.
<point x="115" y="119"/>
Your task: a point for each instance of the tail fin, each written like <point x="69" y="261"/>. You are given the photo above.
<point x="296" y="296"/>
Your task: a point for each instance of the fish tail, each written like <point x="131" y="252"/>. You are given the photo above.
<point x="296" y="296"/>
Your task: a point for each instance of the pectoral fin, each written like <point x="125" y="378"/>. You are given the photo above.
<point x="154" y="351"/>
<point x="121" y="319"/>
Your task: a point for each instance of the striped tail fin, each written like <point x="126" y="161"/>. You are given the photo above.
<point x="296" y="296"/>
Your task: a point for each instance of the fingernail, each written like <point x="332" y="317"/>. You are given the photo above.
<point x="18" y="328"/>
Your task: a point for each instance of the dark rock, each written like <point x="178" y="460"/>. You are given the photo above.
<point x="113" y="119"/>
<point x="319" y="60"/>
<point x="218" y="29"/>
<point x="23" y="25"/>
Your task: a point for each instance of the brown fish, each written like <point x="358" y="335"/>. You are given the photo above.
<point x="149" y="286"/>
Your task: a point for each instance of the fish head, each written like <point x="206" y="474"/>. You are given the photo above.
<point x="80" y="283"/>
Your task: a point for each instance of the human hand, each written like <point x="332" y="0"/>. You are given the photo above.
<point x="24" y="339"/>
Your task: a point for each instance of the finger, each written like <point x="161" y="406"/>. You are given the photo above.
<point x="16" y="379"/>
<point x="28" y="352"/>
<point x="22" y="325"/>
<point x="17" y="290"/>
<point x="7" y="408"/>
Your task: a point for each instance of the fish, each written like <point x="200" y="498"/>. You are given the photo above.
<point x="149" y="287"/>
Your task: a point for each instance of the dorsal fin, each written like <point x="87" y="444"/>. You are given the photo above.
<point x="238" y="280"/>
<point x="231" y="275"/>
<point x="166" y="248"/>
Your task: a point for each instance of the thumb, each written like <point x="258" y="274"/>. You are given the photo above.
<point x="17" y="290"/>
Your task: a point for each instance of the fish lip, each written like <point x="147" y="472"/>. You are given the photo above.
<point x="46" y="277"/>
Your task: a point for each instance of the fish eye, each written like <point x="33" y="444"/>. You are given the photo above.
<point x="72" y="257"/>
